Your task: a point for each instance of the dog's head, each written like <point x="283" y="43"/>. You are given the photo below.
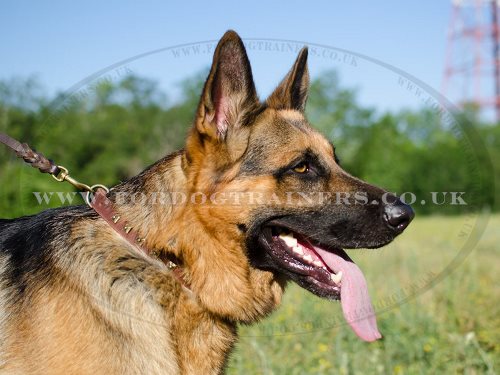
<point x="276" y="193"/>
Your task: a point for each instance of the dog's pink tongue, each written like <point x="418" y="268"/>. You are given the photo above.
<point x="354" y="297"/>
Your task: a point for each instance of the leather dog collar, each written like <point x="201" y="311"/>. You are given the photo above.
<point x="104" y="207"/>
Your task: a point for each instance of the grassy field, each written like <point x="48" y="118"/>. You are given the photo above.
<point x="452" y="326"/>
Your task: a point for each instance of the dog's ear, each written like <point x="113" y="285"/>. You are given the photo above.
<point x="229" y="96"/>
<point x="292" y="92"/>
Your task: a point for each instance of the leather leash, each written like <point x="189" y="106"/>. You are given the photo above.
<point x="100" y="202"/>
<point x="35" y="159"/>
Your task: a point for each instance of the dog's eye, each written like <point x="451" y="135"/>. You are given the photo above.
<point x="302" y="167"/>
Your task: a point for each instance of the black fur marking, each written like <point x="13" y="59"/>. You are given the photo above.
<point x="254" y="161"/>
<point x="300" y="85"/>
<point x="29" y="242"/>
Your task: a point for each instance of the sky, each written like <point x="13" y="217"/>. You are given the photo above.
<point x="61" y="43"/>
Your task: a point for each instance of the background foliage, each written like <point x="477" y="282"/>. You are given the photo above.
<point x="111" y="130"/>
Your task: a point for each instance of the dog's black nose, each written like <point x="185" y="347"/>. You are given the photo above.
<point x="398" y="215"/>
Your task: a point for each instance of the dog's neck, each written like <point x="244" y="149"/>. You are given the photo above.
<point x="159" y="205"/>
<point x="149" y="201"/>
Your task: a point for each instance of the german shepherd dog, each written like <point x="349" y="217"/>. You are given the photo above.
<point x="267" y="203"/>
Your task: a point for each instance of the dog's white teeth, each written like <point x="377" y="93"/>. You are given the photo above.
<point x="317" y="263"/>
<point x="308" y="258"/>
<point x="298" y="250"/>
<point x="289" y="240"/>
<point x="336" y="277"/>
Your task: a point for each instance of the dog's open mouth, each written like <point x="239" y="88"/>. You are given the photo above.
<point x="328" y="271"/>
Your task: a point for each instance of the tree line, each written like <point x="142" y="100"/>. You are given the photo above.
<point x="117" y="128"/>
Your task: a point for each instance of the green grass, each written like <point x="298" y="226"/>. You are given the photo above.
<point x="452" y="328"/>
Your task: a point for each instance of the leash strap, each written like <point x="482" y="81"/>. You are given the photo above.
<point x="44" y="165"/>
<point x="35" y="159"/>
